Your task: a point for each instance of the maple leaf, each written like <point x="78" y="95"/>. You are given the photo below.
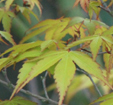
<point x="84" y="4"/>
<point x="96" y="41"/>
<point x="17" y="101"/>
<point x="63" y="61"/>
<point x="57" y="29"/>
<point x="35" y="70"/>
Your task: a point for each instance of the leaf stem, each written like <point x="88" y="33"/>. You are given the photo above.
<point x="98" y="53"/>
<point x="31" y="94"/>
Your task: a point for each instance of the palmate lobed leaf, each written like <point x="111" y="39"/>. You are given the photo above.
<point x="17" y="101"/>
<point x="57" y="29"/>
<point x="37" y="69"/>
<point x="21" y="52"/>
<point x="65" y="68"/>
<point x="11" y="60"/>
<point x="96" y="41"/>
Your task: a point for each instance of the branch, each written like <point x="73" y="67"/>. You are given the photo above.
<point x="44" y="84"/>
<point x="105" y="8"/>
<point x="31" y="94"/>
<point x="88" y="75"/>
<point x="98" y="53"/>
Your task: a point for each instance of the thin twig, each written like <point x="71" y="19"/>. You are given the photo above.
<point x="105" y="8"/>
<point x="98" y="53"/>
<point x="4" y="71"/>
<point x="31" y="94"/>
<point x="87" y="74"/>
<point x="44" y="84"/>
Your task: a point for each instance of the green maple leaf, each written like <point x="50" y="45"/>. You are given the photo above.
<point x="21" y="52"/>
<point x="64" y="69"/>
<point x="37" y="69"/>
<point x="17" y="101"/>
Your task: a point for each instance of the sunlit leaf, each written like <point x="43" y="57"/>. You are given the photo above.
<point x="37" y="69"/>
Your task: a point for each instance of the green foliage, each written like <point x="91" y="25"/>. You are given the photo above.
<point x="17" y="101"/>
<point x="60" y="58"/>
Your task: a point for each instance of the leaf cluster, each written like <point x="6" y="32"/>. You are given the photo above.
<point x="59" y="58"/>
